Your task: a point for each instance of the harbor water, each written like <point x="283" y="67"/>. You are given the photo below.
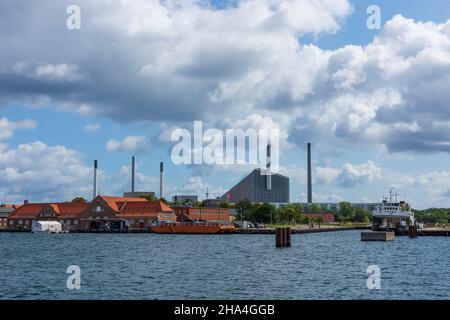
<point x="149" y="266"/>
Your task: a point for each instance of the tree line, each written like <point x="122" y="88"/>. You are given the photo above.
<point x="433" y="215"/>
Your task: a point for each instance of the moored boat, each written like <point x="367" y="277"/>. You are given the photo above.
<point x="392" y="215"/>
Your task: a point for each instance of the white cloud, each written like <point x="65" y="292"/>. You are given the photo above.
<point x="182" y="60"/>
<point x="47" y="71"/>
<point x="38" y="171"/>
<point x="349" y="175"/>
<point x="92" y="127"/>
<point x="7" y="127"/>
<point x="196" y="185"/>
<point x="130" y="143"/>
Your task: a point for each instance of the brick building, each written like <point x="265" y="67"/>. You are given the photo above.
<point x="203" y="214"/>
<point x="23" y="217"/>
<point x="327" y="217"/>
<point x="103" y="213"/>
<point x="119" y="213"/>
<point x="5" y="211"/>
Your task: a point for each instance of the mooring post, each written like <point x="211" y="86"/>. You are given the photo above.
<point x="283" y="237"/>
<point x="413" y="231"/>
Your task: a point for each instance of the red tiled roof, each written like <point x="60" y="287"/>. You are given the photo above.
<point x="117" y="202"/>
<point x="64" y="209"/>
<point x="71" y="209"/>
<point x="28" y="210"/>
<point x="149" y="209"/>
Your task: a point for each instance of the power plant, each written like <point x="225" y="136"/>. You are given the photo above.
<point x="261" y="185"/>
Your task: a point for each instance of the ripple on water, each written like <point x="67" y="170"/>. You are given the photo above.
<point x="149" y="266"/>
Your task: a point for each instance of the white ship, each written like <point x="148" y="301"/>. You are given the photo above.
<point x="392" y="215"/>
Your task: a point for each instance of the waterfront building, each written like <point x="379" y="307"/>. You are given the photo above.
<point x="24" y="216"/>
<point x="139" y="194"/>
<point x="5" y="211"/>
<point x="203" y="214"/>
<point x="119" y="213"/>
<point x="140" y="215"/>
<point x="183" y="198"/>
<point x="103" y="213"/>
<point x="327" y="217"/>
<point x="255" y="188"/>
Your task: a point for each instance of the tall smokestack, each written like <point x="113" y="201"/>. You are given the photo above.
<point x="268" y="172"/>
<point x="309" y="175"/>
<point x="161" y="180"/>
<point x="132" y="173"/>
<point x="95" y="178"/>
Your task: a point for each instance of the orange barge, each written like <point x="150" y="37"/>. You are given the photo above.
<point x="192" y="228"/>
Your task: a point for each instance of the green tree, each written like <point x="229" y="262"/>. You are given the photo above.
<point x="318" y="220"/>
<point x="244" y="209"/>
<point x="346" y="212"/>
<point x="79" y="199"/>
<point x="263" y="213"/>
<point x="361" y="215"/>
<point x="291" y="213"/>
<point x="315" y="208"/>
<point x="164" y="201"/>
<point x="149" y="197"/>
<point x="433" y="215"/>
<point x="224" y="204"/>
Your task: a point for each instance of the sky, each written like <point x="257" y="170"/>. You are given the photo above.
<point x="374" y="103"/>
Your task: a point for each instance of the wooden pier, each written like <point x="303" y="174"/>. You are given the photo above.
<point x="295" y="231"/>
<point x="433" y="233"/>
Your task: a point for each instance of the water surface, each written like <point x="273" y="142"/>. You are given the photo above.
<point x="150" y="266"/>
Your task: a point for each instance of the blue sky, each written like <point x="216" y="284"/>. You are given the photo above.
<point x="141" y="79"/>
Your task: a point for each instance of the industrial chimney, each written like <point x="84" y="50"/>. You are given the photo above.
<point x="161" y="180"/>
<point x="268" y="172"/>
<point x="95" y="179"/>
<point x="309" y="175"/>
<point x="132" y="174"/>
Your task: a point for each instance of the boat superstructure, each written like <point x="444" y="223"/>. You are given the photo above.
<point x="392" y="215"/>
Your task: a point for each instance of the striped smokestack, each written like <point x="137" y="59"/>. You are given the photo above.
<point x="161" y="180"/>
<point x="95" y="179"/>
<point x="133" y="172"/>
<point x="309" y="175"/>
<point x="268" y="172"/>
